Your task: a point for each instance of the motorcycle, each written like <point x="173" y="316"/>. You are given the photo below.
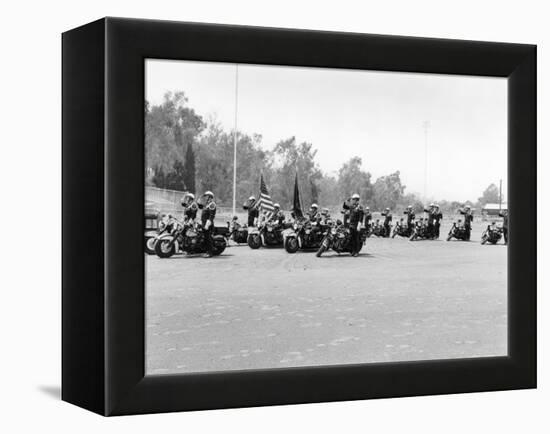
<point x="338" y="238"/>
<point x="459" y="231"/>
<point x="165" y="225"/>
<point x="237" y="232"/>
<point x="422" y="231"/>
<point x="379" y="230"/>
<point x="189" y="238"/>
<point x="402" y="229"/>
<point x="492" y="234"/>
<point x="266" y="234"/>
<point x="303" y="235"/>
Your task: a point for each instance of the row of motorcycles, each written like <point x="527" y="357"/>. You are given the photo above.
<point x="174" y="236"/>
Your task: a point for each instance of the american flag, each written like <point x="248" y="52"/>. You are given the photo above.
<point x="265" y="203"/>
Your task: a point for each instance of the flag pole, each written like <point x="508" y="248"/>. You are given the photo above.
<point x="235" y="139"/>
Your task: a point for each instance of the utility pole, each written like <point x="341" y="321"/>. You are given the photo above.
<point x="426" y="126"/>
<point x="235" y="139"/>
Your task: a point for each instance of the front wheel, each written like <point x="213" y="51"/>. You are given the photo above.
<point x="291" y="245"/>
<point x="165" y="248"/>
<point x="150" y="245"/>
<point x="321" y="250"/>
<point x="254" y="241"/>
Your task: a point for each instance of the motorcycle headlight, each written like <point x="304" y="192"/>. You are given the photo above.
<point x="295" y="227"/>
<point x="333" y="231"/>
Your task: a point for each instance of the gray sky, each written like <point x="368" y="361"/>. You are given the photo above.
<point x="377" y="116"/>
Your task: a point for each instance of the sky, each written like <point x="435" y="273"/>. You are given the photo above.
<point x="378" y="116"/>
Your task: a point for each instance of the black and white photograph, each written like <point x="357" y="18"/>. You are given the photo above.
<point x="300" y="216"/>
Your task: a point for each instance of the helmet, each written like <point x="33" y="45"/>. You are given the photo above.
<point x="436" y="205"/>
<point x="432" y="204"/>
<point x="467" y="207"/>
<point x="209" y="193"/>
<point x="314" y="205"/>
<point x="251" y="198"/>
<point x="387" y="209"/>
<point x="276" y="205"/>
<point x="367" y="208"/>
<point x="409" y="207"/>
<point x="355" y="196"/>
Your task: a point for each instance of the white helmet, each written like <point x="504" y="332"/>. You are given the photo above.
<point x="314" y="205"/>
<point x="251" y="198"/>
<point x="409" y="207"/>
<point x="276" y="205"/>
<point x="432" y="204"/>
<point x="355" y="196"/>
<point x="209" y="193"/>
<point x="191" y="195"/>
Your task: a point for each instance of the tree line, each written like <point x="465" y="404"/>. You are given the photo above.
<point x="185" y="152"/>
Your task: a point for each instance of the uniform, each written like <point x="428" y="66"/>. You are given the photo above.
<point x="207" y="216"/>
<point x="438" y="216"/>
<point x="410" y="218"/>
<point x="190" y="211"/>
<point x="431" y="217"/>
<point x="356" y="216"/>
<point x="368" y="218"/>
<point x="468" y="219"/>
<point x="277" y="217"/>
<point x="253" y="212"/>
<point x="387" y="220"/>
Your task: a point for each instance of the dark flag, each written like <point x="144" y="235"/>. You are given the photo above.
<point x="264" y="203"/>
<point x="297" y="205"/>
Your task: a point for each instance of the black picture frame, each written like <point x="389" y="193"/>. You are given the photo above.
<point x="103" y="195"/>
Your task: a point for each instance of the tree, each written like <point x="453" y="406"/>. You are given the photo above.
<point x="490" y="195"/>
<point x="189" y="168"/>
<point x="353" y="179"/>
<point x="388" y="191"/>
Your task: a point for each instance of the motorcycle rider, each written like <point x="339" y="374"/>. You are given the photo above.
<point x="431" y="218"/>
<point x="438" y="216"/>
<point x="276" y="216"/>
<point x="207" y="219"/>
<point x="313" y="213"/>
<point x="253" y="212"/>
<point x="356" y="216"/>
<point x="368" y="217"/>
<point x="409" y="212"/>
<point x="468" y="219"/>
<point x="190" y="207"/>
<point x="387" y="222"/>
<point x="505" y="225"/>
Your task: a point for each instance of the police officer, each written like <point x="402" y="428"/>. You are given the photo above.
<point x="409" y="212"/>
<point x="431" y="217"/>
<point x="368" y="217"/>
<point x="356" y="216"/>
<point x="277" y="216"/>
<point x="207" y="219"/>
<point x="253" y="212"/>
<point x="387" y="222"/>
<point x="468" y="219"/>
<point x="313" y="213"/>
<point x="190" y="207"/>
<point x="504" y="215"/>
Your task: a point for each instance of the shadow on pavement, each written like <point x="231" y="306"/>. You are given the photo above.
<point x="51" y="391"/>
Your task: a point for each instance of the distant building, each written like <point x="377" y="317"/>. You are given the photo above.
<point x="492" y="209"/>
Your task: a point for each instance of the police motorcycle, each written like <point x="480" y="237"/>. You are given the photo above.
<point x="267" y="233"/>
<point x="402" y="229"/>
<point x="338" y="238"/>
<point x="304" y="234"/>
<point x="165" y="225"/>
<point x="237" y="232"/>
<point x="379" y="230"/>
<point x="188" y="237"/>
<point x="459" y="231"/>
<point x="492" y="234"/>
<point x="422" y="231"/>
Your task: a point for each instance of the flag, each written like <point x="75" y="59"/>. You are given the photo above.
<point x="296" y="204"/>
<point x="264" y="203"/>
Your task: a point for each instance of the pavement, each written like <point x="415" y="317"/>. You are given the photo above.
<point x="397" y="301"/>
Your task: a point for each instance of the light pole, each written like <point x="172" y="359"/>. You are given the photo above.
<point x="235" y="139"/>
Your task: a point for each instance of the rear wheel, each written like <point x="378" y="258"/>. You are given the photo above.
<point x="165" y="248"/>
<point x="254" y="241"/>
<point x="291" y="245"/>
